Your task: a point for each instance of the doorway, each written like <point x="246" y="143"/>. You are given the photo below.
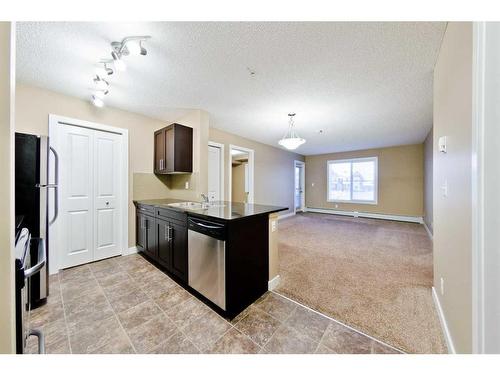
<point x="93" y="193"/>
<point x="299" y="191"/>
<point x="241" y="174"/>
<point x="215" y="172"/>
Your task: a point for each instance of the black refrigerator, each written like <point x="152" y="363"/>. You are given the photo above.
<point x="32" y="202"/>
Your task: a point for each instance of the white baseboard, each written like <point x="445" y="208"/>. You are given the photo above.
<point x="273" y="283"/>
<point x="286" y="215"/>
<point x="130" y="250"/>
<point x="410" y="219"/>
<point x="428" y="231"/>
<point x="442" y="320"/>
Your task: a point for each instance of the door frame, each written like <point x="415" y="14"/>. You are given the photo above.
<point x="251" y="162"/>
<point x="485" y="185"/>
<point x="54" y="230"/>
<point x="303" y="186"/>
<point x="222" y="156"/>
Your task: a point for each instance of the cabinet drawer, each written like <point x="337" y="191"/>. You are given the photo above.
<point x="147" y="210"/>
<point x="167" y="214"/>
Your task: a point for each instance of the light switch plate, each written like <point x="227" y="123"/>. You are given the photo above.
<point x="273" y="226"/>
<point x="186" y="185"/>
<point x="442" y="144"/>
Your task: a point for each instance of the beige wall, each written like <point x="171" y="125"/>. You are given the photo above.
<point x="7" y="305"/>
<point x="273" y="169"/>
<point x="33" y="105"/>
<point x="452" y="214"/>
<point x="400" y="181"/>
<point x="238" y="183"/>
<point x="428" y="217"/>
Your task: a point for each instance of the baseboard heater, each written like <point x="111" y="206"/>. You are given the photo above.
<point x="370" y="215"/>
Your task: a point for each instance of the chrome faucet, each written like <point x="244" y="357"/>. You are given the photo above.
<point x="204" y="197"/>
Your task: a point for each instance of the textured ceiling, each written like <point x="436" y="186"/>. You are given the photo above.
<point x="364" y="84"/>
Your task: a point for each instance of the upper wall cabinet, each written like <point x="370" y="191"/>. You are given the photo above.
<point x="173" y="150"/>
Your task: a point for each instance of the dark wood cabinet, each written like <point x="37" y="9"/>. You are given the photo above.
<point x="173" y="150"/>
<point x="164" y="246"/>
<point x="150" y="248"/>
<point x="140" y="231"/>
<point x="178" y="250"/>
<point x="163" y="238"/>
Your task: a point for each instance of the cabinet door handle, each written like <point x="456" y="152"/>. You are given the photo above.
<point x="166" y="233"/>
<point x="170" y="233"/>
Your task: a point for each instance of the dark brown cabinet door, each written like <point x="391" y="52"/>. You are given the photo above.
<point x="170" y="149"/>
<point x="173" y="150"/>
<point x="159" y="156"/>
<point x="140" y="232"/>
<point x="178" y="239"/>
<point x="150" y="236"/>
<point x="163" y="240"/>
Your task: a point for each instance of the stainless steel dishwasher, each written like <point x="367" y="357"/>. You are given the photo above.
<point x="207" y="259"/>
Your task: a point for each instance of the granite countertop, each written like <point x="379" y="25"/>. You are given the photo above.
<point x="219" y="210"/>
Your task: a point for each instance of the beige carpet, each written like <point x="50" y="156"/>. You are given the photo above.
<point x="373" y="275"/>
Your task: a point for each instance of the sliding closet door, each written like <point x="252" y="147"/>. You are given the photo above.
<point x="107" y="226"/>
<point x="76" y="151"/>
<point x="89" y="226"/>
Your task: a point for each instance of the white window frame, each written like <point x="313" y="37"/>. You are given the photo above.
<point x="337" y="161"/>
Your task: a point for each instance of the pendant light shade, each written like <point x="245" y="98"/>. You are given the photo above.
<point x="291" y="140"/>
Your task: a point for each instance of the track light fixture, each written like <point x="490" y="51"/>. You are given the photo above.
<point x="100" y="83"/>
<point x="98" y="102"/>
<point x="101" y="94"/>
<point x="131" y="45"/>
<point x="104" y="70"/>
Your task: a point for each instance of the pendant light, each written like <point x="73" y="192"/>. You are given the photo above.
<point x="291" y="140"/>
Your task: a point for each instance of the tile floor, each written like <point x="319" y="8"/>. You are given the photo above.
<point x="127" y="305"/>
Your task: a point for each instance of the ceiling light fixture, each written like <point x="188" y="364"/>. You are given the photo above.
<point x="100" y="83"/>
<point x="98" y="102"/>
<point x="104" y="70"/>
<point x="131" y="45"/>
<point x="117" y="60"/>
<point x="291" y="139"/>
<point x="101" y="94"/>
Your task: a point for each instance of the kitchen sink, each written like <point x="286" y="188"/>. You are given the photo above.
<point x="195" y="205"/>
<point x="188" y="205"/>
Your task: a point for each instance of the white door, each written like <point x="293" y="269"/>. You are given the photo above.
<point x="214" y="173"/>
<point x="299" y="187"/>
<point x="76" y="185"/>
<point x="107" y="149"/>
<point x="90" y="178"/>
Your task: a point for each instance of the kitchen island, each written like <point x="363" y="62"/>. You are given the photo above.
<point x="219" y="251"/>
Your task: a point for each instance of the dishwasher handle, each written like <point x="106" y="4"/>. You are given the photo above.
<point x="209" y="228"/>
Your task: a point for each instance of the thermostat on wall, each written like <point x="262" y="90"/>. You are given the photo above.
<point x="442" y="144"/>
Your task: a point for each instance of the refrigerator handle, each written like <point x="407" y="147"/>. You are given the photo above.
<point x="55" y="185"/>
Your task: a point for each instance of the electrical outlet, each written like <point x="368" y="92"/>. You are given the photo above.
<point x="273" y="226"/>
<point x="336" y="206"/>
<point x="186" y="185"/>
<point x="442" y="286"/>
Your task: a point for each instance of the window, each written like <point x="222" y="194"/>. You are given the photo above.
<point x="352" y="180"/>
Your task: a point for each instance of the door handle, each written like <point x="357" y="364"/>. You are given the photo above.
<point x="55" y="185"/>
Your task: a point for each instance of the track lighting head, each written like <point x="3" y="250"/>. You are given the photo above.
<point x="117" y="61"/>
<point x="131" y="45"/>
<point x="104" y="70"/>
<point x="101" y="94"/>
<point x="100" y="83"/>
<point x="98" y="102"/>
